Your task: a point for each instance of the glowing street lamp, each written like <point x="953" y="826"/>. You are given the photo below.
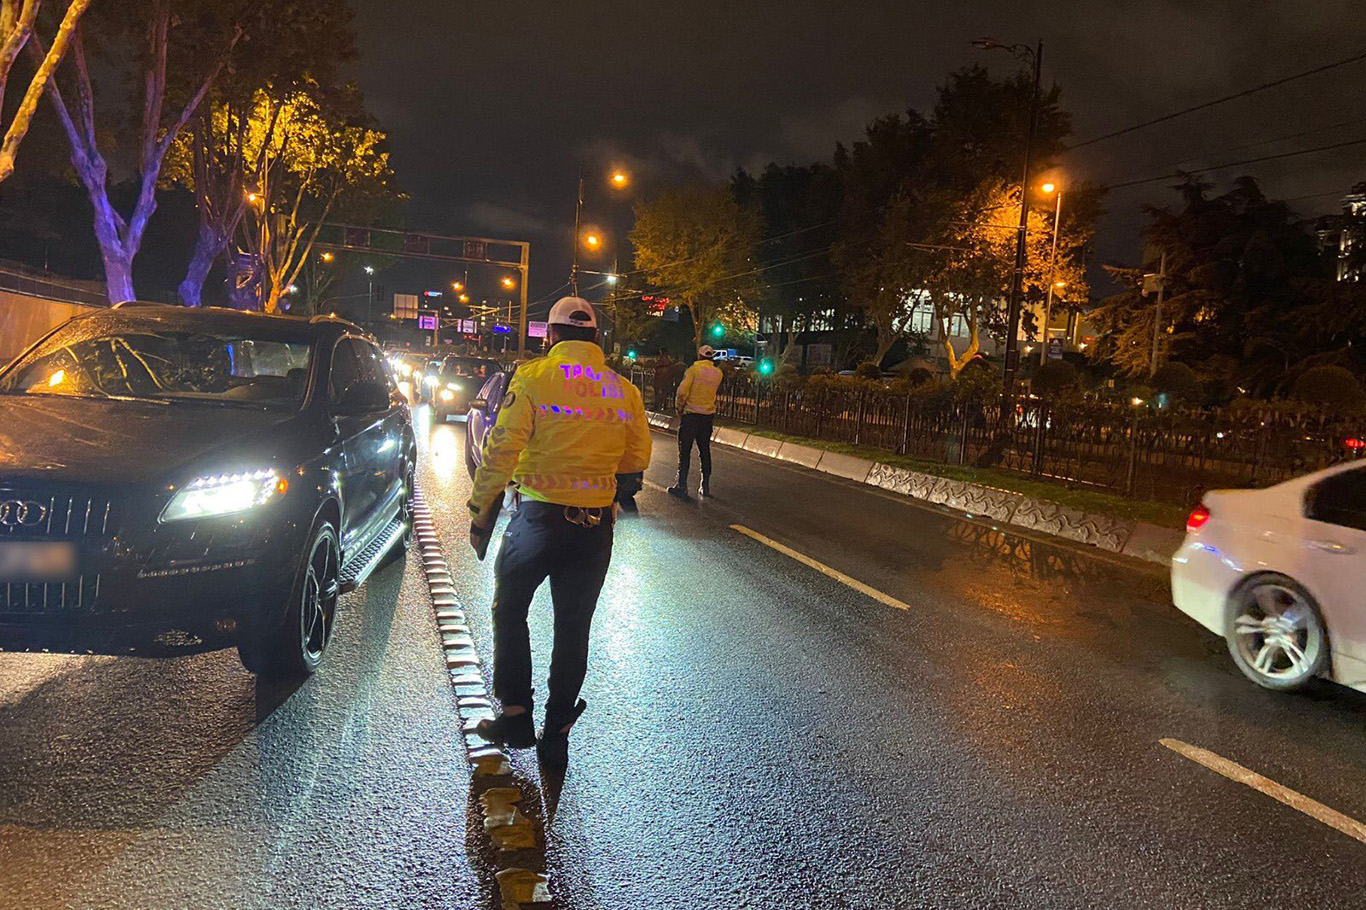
<point x="328" y="256"/>
<point x="457" y="286"/>
<point x="1055" y="190"/>
<point x="508" y="282"/>
<point x="620" y="180"/>
<point x="592" y="241"/>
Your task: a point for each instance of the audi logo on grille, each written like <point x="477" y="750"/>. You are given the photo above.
<point x="18" y="513"/>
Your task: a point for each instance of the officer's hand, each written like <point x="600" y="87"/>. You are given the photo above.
<point x="478" y="535"/>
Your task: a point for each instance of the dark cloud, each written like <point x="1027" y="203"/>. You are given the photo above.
<point x="494" y="108"/>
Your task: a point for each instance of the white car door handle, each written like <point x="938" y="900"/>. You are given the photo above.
<point x="1331" y="546"/>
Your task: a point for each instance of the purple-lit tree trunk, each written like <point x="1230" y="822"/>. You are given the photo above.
<point x="120" y="237"/>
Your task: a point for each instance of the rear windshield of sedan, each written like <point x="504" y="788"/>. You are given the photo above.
<point x="471" y="367"/>
<point x="139" y="362"/>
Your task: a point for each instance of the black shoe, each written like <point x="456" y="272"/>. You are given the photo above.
<point x="513" y="730"/>
<point x="705" y="490"/>
<point x="629" y="506"/>
<point x="553" y="746"/>
<point x="678" y="491"/>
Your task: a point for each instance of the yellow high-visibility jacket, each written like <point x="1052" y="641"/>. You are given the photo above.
<point x="568" y="425"/>
<point x="697" y="391"/>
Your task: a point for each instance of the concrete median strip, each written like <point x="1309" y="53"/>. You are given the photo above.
<point x="515" y="838"/>
<point x="1116" y="535"/>
<point x="1265" y="785"/>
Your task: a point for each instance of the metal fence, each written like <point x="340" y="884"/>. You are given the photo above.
<point x="1168" y="455"/>
<point x="48" y="288"/>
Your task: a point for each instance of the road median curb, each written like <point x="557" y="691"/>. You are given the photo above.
<point x="1137" y="539"/>
<point x="516" y="839"/>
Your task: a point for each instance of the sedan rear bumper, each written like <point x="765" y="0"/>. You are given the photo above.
<point x="1202" y="578"/>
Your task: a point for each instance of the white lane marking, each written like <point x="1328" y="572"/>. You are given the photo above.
<point x="1265" y="785"/>
<point x="821" y="567"/>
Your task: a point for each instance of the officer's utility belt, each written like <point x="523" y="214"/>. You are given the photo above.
<point x="582" y="516"/>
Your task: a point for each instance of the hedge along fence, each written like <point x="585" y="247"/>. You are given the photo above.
<point x="1163" y="454"/>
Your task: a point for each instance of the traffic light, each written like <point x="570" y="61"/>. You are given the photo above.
<point x="631" y="354"/>
<point x="718" y="330"/>
<point x="765" y="367"/>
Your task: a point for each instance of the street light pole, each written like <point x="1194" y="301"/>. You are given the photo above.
<point x="1052" y="275"/>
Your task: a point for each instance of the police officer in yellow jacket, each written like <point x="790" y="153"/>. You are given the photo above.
<point x="696" y="402"/>
<point x="568" y="425"/>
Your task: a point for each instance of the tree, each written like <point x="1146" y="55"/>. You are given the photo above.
<point x="799" y="207"/>
<point x="973" y="262"/>
<point x="221" y="156"/>
<point x="174" y="49"/>
<point x="319" y="153"/>
<point x="1249" y="297"/>
<point x="698" y="245"/>
<point x="18" y="19"/>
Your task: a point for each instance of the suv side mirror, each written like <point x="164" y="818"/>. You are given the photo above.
<point x="364" y="398"/>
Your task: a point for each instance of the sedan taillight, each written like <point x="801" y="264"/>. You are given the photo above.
<point x="1198" y="516"/>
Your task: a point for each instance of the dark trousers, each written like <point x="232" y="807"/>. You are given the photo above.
<point x="694" y="429"/>
<point x="541" y="542"/>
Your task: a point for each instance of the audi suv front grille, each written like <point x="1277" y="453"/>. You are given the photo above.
<point x="46" y="514"/>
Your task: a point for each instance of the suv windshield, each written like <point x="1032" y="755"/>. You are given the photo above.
<point x="138" y="362"/>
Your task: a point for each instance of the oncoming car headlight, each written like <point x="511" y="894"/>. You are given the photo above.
<point x="431" y="380"/>
<point x="455" y="386"/>
<point x="447" y="395"/>
<point x="225" y="494"/>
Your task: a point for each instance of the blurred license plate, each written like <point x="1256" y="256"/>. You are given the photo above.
<point x="34" y="562"/>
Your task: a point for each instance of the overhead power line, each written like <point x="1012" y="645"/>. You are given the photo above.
<point x="1177" y="175"/>
<point x="1217" y="101"/>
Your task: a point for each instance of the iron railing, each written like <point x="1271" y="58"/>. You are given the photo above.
<point x="1167" y="455"/>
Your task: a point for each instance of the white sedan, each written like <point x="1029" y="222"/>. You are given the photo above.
<point x="1280" y="573"/>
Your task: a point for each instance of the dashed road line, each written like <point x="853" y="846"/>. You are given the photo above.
<point x="1265" y="785"/>
<point x="821" y="567"/>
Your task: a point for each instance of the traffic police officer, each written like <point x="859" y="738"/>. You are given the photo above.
<point x="568" y="425"/>
<point x="696" y="402"/>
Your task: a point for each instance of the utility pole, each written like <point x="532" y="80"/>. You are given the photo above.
<point x="1157" y="313"/>
<point x="578" y="222"/>
<point x="1012" y="352"/>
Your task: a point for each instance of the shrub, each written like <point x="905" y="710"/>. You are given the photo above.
<point x="976" y="383"/>
<point x="1053" y="378"/>
<point x="1331" y="386"/>
<point x="868" y="370"/>
<point x="919" y="376"/>
<point x="787" y="376"/>
<point x="1176" y="380"/>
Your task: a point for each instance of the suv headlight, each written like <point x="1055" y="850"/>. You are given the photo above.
<point x="225" y="494"/>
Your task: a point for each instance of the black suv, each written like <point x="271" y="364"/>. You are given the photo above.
<point x="216" y="474"/>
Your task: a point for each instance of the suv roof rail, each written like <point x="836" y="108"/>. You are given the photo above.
<point x="326" y="317"/>
<point x="131" y="303"/>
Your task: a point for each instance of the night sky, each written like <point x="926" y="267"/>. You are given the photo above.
<point x="492" y="108"/>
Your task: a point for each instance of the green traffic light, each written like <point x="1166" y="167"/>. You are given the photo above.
<point x="718" y="330"/>
<point x="765" y="367"/>
<point x="631" y="355"/>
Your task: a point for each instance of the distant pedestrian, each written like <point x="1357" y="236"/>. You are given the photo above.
<point x="568" y="427"/>
<point x="696" y="401"/>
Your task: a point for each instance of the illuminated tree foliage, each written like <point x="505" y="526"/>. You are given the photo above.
<point x="18" y="20"/>
<point x="316" y="153"/>
<point x="696" y="245"/>
<point x="221" y="155"/>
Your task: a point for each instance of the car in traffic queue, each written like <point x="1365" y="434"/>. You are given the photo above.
<point x="482" y="415"/>
<point x="454" y="382"/>
<point x="1278" y="573"/>
<point x="409" y="370"/>
<point x="203" y="474"/>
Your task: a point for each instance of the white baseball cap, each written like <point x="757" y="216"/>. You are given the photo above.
<point x="706" y="351"/>
<point x="573" y="311"/>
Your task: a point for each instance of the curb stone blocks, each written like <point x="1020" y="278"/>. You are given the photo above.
<point x="518" y="842"/>
<point x="1137" y="539"/>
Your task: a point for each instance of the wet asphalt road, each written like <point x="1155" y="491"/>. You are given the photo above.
<point x="140" y="783"/>
<point x="759" y="735"/>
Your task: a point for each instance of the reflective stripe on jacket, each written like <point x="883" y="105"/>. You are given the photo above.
<point x="697" y="391"/>
<point x="568" y="425"/>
